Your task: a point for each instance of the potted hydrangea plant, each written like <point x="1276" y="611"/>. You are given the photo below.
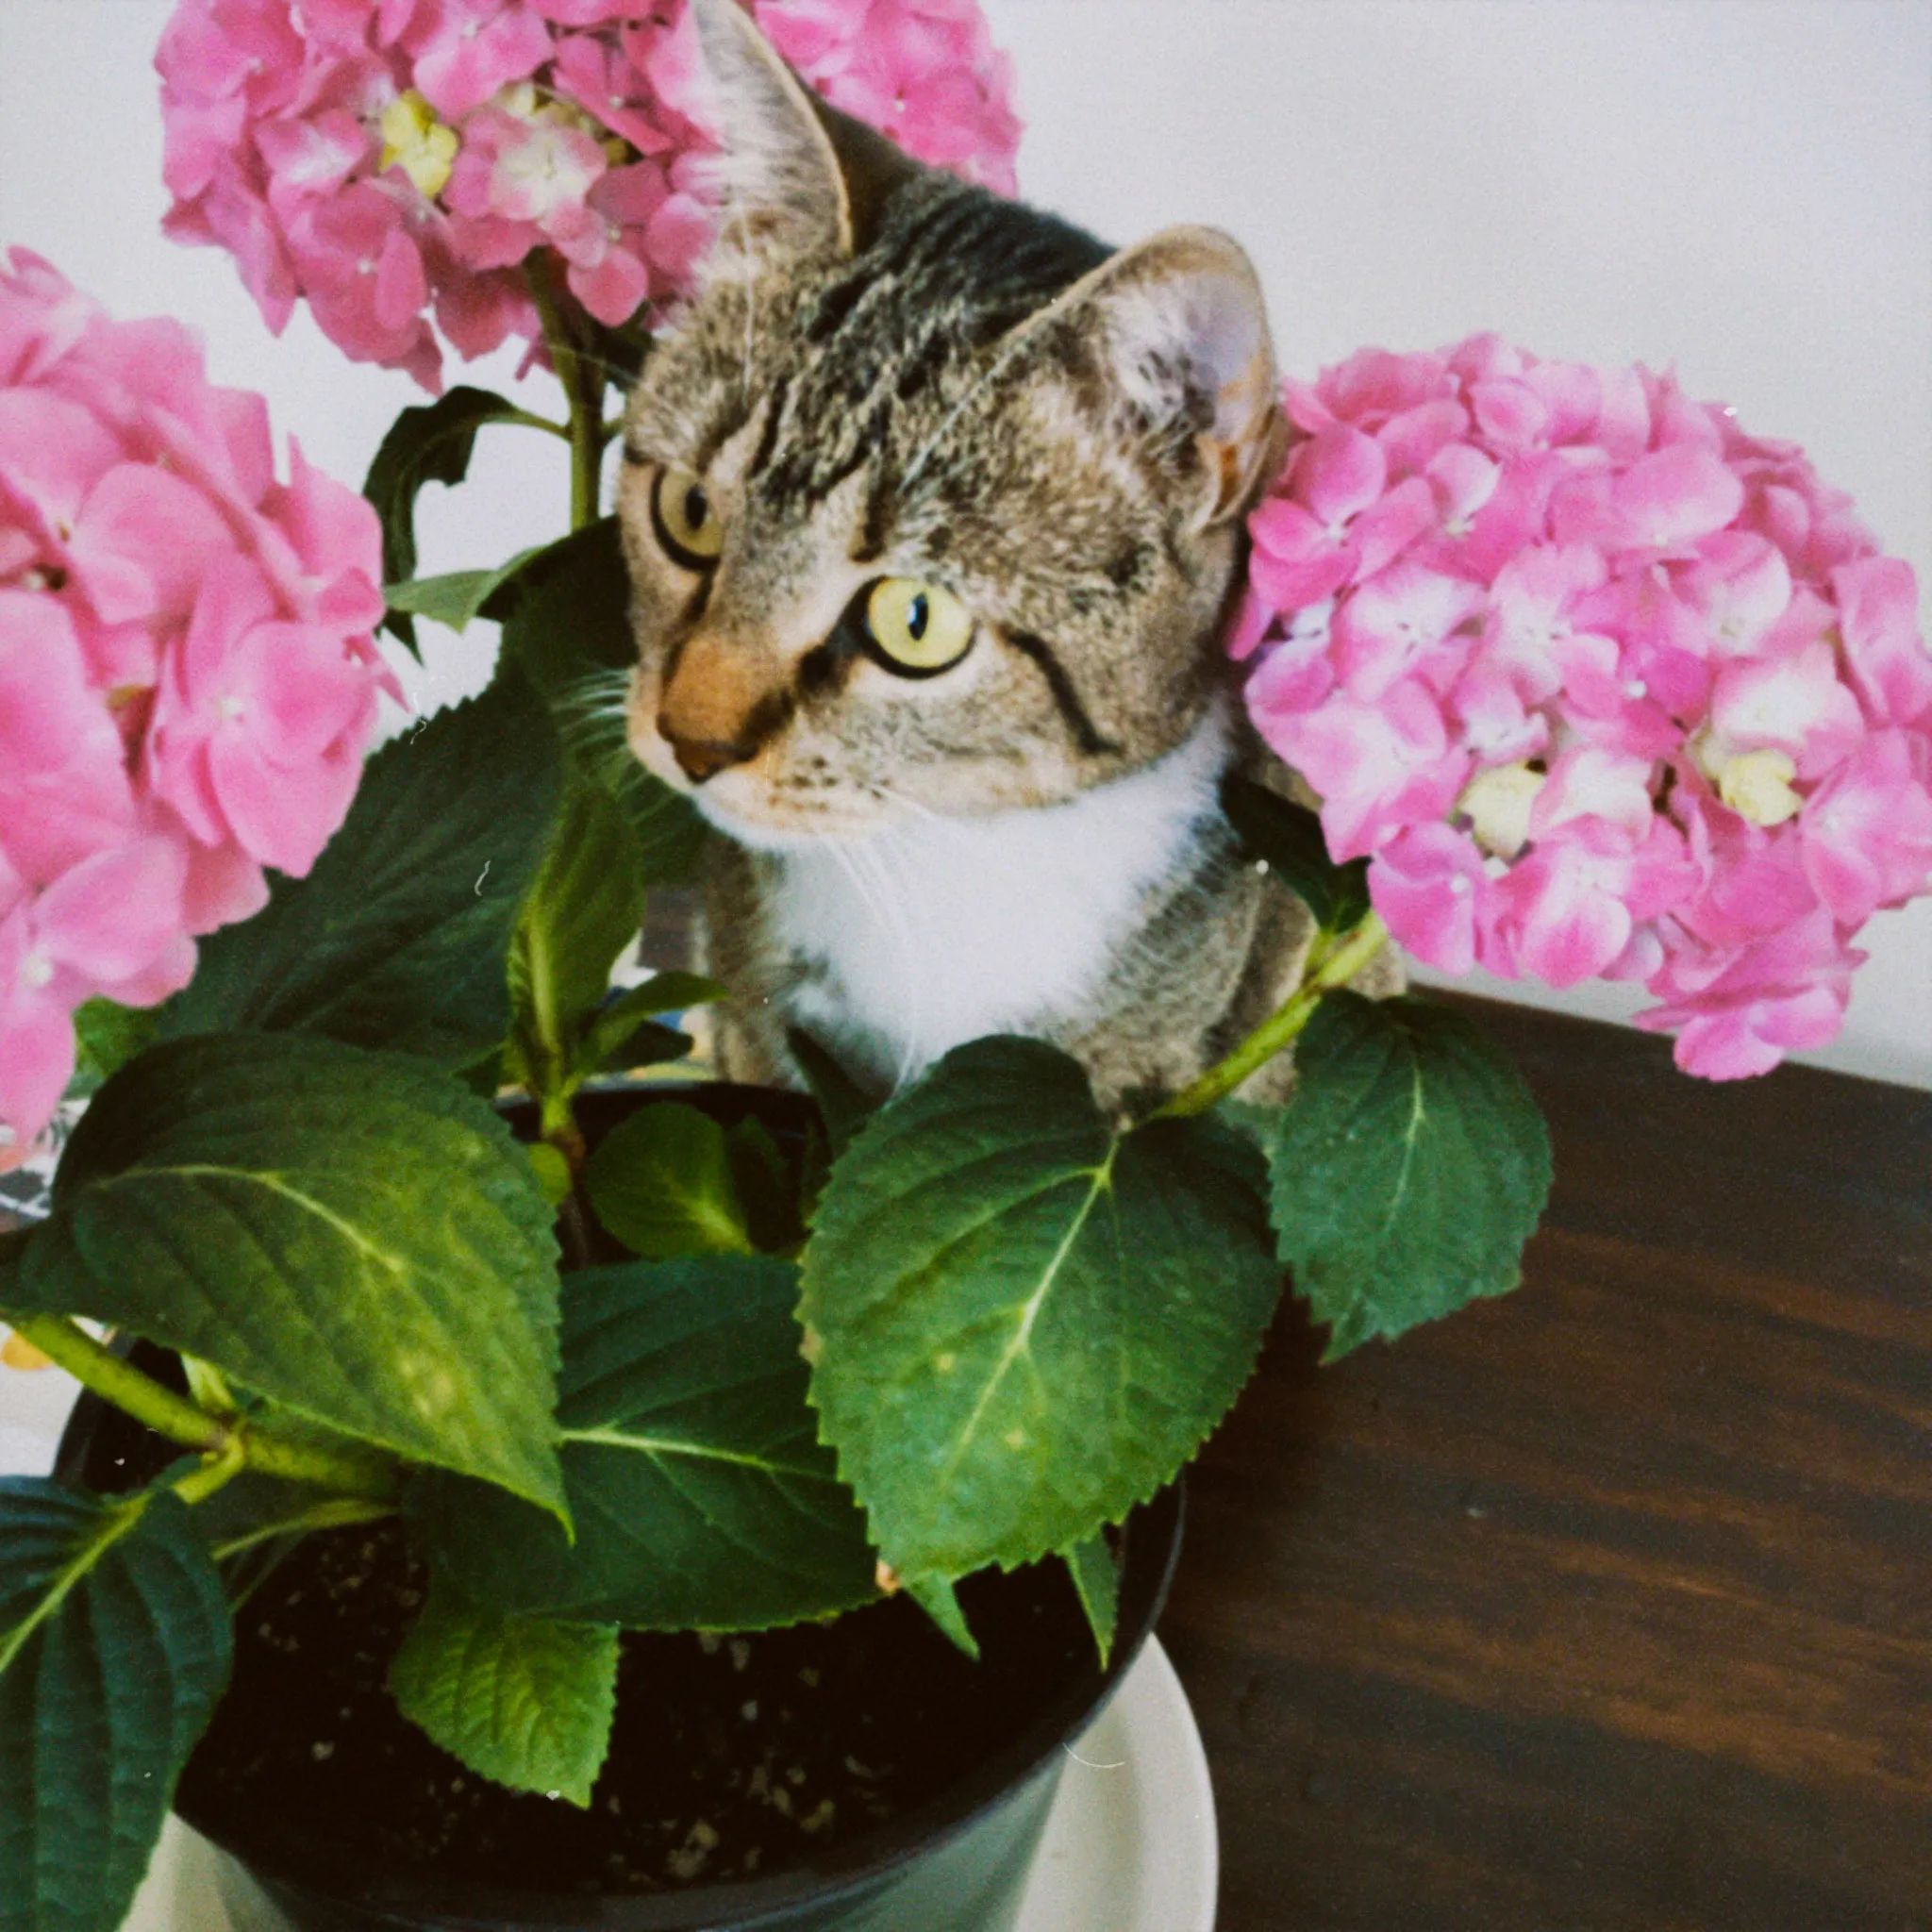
<point x="544" y="1382"/>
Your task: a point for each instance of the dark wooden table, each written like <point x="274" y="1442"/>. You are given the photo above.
<point x="1608" y="1604"/>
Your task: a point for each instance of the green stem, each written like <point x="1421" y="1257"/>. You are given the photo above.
<point x="215" y="1473"/>
<point x="560" y="430"/>
<point x="1328" y="967"/>
<point x="256" y="1445"/>
<point x="367" y="1478"/>
<point x="583" y="388"/>
<point x="337" y="1512"/>
<point x="65" y="1342"/>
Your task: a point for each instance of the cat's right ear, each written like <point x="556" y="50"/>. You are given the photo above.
<point x="775" y="178"/>
<point x="792" y="178"/>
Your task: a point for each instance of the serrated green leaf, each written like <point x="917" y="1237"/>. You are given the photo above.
<point x="701" y="1496"/>
<point x="662" y="1183"/>
<point x="586" y="906"/>
<point x="1097" y="1584"/>
<point x="456" y="598"/>
<point x="1289" y="836"/>
<point x="397" y="938"/>
<point x="1023" y="1323"/>
<point x="426" y="443"/>
<point x="522" y="1699"/>
<point x="569" y="628"/>
<point x="1409" y="1170"/>
<point x="350" y="1234"/>
<point x="940" y="1600"/>
<point x="114" y="1645"/>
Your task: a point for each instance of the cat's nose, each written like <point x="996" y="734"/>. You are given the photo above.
<point x="700" y="759"/>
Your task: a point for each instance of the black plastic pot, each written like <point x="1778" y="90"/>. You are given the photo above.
<point x="956" y="1864"/>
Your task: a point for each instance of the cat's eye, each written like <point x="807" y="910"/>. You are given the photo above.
<point x="690" y="530"/>
<point x="919" y="629"/>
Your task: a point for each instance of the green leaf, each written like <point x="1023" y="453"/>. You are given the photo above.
<point x="114" y="1645"/>
<point x="585" y="907"/>
<point x="662" y="1183"/>
<point x="940" y="1600"/>
<point x="1023" y="1322"/>
<point x="456" y="598"/>
<point x="350" y="1234"/>
<point x="1409" y="1170"/>
<point x="1097" y="1584"/>
<point x="767" y="1186"/>
<point x="426" y="443"/>
<point x="108" y="1036"/>
<point x="569" y="628"/>
<point x="621" y="1034"/>
<point x="398" y="937"/>
<point x="1289" y="836"/>
<point x="522" y="1699"/>
<point x="844" y="1104"/>
<point x="701" y="1496"/>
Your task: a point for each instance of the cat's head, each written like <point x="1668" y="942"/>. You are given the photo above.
<point x="932" y="502"/>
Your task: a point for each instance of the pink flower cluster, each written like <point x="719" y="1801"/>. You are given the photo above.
<point x="188" y="678"/>
<point x="1600" y="684"/>
<point x="390" y="159"/>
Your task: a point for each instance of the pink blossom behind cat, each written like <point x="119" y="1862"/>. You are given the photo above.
<point x="1600" y="685"/>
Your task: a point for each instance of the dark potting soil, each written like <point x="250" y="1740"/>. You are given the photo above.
<point x="731" y="1756"/>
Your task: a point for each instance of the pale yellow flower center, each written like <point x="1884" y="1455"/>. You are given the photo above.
<point x="1498" y="802"/>
<point x="1757" y="785"/>
<point x="414" y="140"/>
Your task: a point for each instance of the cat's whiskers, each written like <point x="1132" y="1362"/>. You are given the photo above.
<point x="888" y="794"/>
<point x="869" y="863"/>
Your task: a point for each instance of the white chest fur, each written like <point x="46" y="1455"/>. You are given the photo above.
<point x="945" y="929"/>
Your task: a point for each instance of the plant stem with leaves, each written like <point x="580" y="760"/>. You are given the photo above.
<point x="230" y="1442"/>
<point x="1333" y="960"/>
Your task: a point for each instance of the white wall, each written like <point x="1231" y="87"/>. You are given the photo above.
<point x="1742" y="188"/>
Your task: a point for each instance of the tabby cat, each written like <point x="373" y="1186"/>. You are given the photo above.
<point x="933" y="507"/>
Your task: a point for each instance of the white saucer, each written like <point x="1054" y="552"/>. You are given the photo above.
<point x="1129" y="1847"/>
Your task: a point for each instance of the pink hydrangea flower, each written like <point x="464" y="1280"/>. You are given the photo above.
<point x="398" y="165"/>
<point x="1600" y="684"/>
<point x="188" y="678"/>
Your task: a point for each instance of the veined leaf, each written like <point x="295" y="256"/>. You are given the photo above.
<point x="114" y="1645"/>
<point x="700" y="1493"/>
<point x="108" y="1036"/>
<point x="348" y="1232"/>
<point x="398" y="937"/>
<point x="622" y="1033"/>
<point x="1409" y="1170"/>
<point x="1097" y="1584"/>
<point x="520" y="1700"/>
<point x="455" y="599"/>
<point x="1289" y="836"/>
<point x="1023" y="1323"/>
<point x="426" y="443"/>
<point x="569" y="628"/>
<point x="662" y="1183"/>
<point x="940" y="1600"/>
<point x="587" y="905"/>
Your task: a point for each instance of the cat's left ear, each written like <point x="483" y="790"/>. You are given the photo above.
<point x="792" y="178"/>
<point x="1179" y="326"/>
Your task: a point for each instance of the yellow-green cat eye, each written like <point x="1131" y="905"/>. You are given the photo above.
<point x="692" y="532"/>
<point x="919" y="629"/>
